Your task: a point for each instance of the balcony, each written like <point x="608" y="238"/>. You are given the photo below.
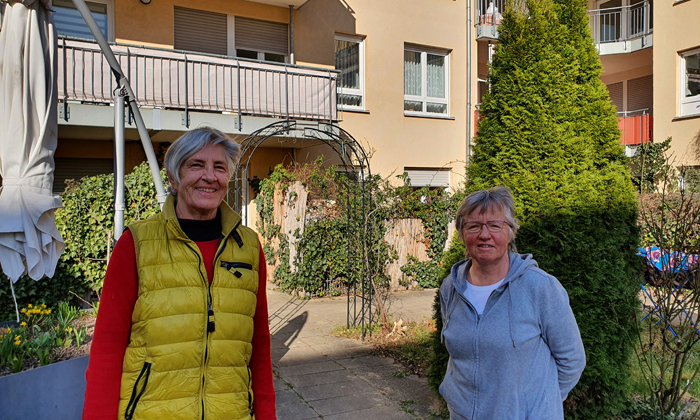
<point x="636" y="127"/>
<point x="623" y="29"/>
<point x="488" y="17"/>
<point x="181" y="89"/>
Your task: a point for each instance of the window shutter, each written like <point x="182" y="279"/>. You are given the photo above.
<point x="77" y="168"/>
<point x="428" y="177"/>
<point x="615" y="90"/>
<point x="200" y="31"/>
<point x="261" y="35"/>
<point x="640" y="94"/>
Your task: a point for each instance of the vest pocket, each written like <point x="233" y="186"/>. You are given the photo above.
<point x="135" y="393"/>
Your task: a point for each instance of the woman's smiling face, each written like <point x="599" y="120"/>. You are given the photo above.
<point x="486" y="247"/>
<point x="203" y="183"/>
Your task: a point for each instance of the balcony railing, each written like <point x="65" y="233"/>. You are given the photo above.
<point x="619" y="24"/>
<point x="174" y="79"/>
<point x="636" y="127"/>
<point x="489" y="12"/>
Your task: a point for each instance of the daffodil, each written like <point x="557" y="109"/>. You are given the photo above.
<point x="24" y="324"/>
<point x="29" y="306"/>
<point x="17" y="337"/>
<point x="18" y="342"/>
<point x="24" y="310"/>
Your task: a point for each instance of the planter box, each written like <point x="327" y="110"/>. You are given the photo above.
<point x="52" y="392"/>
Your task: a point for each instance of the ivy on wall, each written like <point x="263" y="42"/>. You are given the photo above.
<point x="322" y="250"/>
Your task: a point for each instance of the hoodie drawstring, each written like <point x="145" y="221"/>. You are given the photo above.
<point x="510" y="315"/>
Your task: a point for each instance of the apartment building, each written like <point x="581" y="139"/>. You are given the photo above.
<point x="392" y="74"/>
<point x="650" y="55"/>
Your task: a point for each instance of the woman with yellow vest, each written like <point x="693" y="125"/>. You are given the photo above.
<point x="182" y="331"/>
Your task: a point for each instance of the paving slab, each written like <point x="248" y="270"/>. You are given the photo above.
<point x="298" y="411"/>
<point x="318" y="375"/>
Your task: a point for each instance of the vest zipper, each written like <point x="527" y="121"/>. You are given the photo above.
<point x="134" y="400"/>
<point x="250" y="394"/>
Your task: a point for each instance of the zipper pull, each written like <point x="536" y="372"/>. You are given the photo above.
<point x="211" y="326"/>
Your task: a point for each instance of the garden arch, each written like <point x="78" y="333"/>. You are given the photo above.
<point x="361" y="287"/>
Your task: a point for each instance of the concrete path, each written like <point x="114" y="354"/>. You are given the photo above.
<point x="321" y="376"/>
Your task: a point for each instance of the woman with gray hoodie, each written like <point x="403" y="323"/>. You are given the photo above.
<point x="515" y="349"/>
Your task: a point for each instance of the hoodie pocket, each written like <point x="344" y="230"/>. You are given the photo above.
<point x="136" y="393"/>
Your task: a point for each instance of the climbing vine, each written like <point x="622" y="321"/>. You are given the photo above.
<point x="321" y="264"/>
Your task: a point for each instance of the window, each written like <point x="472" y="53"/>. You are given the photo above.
<point x="350" y="61"/>
<point x="428" y="177"/>
<point x="69" y="22"/>
<point x="690" y="83"/>
<point x="221" y="34"/>
<point x="261" y="40"/>
<point x="426" y="81"/>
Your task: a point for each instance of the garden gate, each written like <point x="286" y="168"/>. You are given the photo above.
<point x="360" y="238"/>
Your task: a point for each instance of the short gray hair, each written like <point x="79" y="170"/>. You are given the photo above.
<point x="482" y="201"/>
<point x="192" y="142"/>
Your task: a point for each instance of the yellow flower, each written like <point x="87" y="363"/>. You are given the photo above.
<point x="55" y="328"/>
<point x="18" y="342"/>
<point x="17" y="337"/>
<point x="24" y="324"/>
<point x="29" y="306"/>
<point x="48" y="312"/>
<point x="24" y="310"/>
<point x="43" y="305"/>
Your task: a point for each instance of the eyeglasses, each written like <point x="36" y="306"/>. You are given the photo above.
<point x="494" y="226"/>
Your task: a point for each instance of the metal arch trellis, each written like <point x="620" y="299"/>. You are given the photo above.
<point x="360" y="234"/>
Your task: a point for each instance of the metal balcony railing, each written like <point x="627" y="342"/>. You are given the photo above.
<point x="636" y="127"/>
<point x="172" y="79"/>
<point x="489" y="12"/>
<point x="619" y="24"/>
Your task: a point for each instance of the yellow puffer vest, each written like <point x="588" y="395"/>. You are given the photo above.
<point x="190" y="343"/>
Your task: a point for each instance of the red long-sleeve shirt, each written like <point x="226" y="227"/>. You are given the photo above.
<point x="113" y="328"/>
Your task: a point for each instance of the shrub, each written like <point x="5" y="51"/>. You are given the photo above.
<point x="548" y="131"/>
<point x="85" y="222"/>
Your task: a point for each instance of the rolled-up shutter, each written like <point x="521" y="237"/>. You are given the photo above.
<point x="200" y="31"/>
<point x="640" y="94"/>
<point x="261" y="35"/>
<point x="77" y="168"/>
<point x="428" y="177"/>
<point x="616" y="95"/>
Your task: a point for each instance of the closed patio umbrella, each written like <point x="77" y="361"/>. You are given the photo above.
<point x="29" y="240"/>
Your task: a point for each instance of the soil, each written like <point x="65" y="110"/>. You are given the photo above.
<point x="60" y="354"/>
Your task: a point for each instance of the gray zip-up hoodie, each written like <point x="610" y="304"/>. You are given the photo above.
<point x="520" y="358"/>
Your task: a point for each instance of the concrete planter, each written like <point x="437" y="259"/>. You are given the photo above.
<point x="52" y="392"/>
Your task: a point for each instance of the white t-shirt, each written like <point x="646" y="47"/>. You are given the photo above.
<point x="478" y="295"/>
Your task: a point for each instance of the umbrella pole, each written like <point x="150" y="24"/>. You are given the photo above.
<point x="14" y="299"/>
<point x="119" y="170"/>
<point x="124" y="85"/>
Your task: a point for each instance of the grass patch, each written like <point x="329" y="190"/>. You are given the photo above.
<point x="408" y="343"/>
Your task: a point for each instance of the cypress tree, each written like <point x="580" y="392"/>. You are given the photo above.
<point x="549" y="132"/>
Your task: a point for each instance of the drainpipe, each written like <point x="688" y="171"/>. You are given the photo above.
<point x="291" y="35"/>
<point x="469" y="80"/>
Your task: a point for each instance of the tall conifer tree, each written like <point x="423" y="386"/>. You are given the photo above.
<point x="548" y="131"/>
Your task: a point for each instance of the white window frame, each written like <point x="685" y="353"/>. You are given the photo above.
<point x="349" y="91"/>
<point x="424" y="51"/>
<point x="690" y="105"/>
<point x="110" y="17"/>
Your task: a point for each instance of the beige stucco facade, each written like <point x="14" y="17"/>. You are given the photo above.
<point x="677" y="30"/>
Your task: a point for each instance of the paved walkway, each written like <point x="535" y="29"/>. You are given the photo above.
<point x="321" y="376"/>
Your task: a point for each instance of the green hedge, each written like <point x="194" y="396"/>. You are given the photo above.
<point x="84" y="222"/>
<point x="549" y="132"/>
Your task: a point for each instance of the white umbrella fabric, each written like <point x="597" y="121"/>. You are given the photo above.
<point x="29" y="240"/>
